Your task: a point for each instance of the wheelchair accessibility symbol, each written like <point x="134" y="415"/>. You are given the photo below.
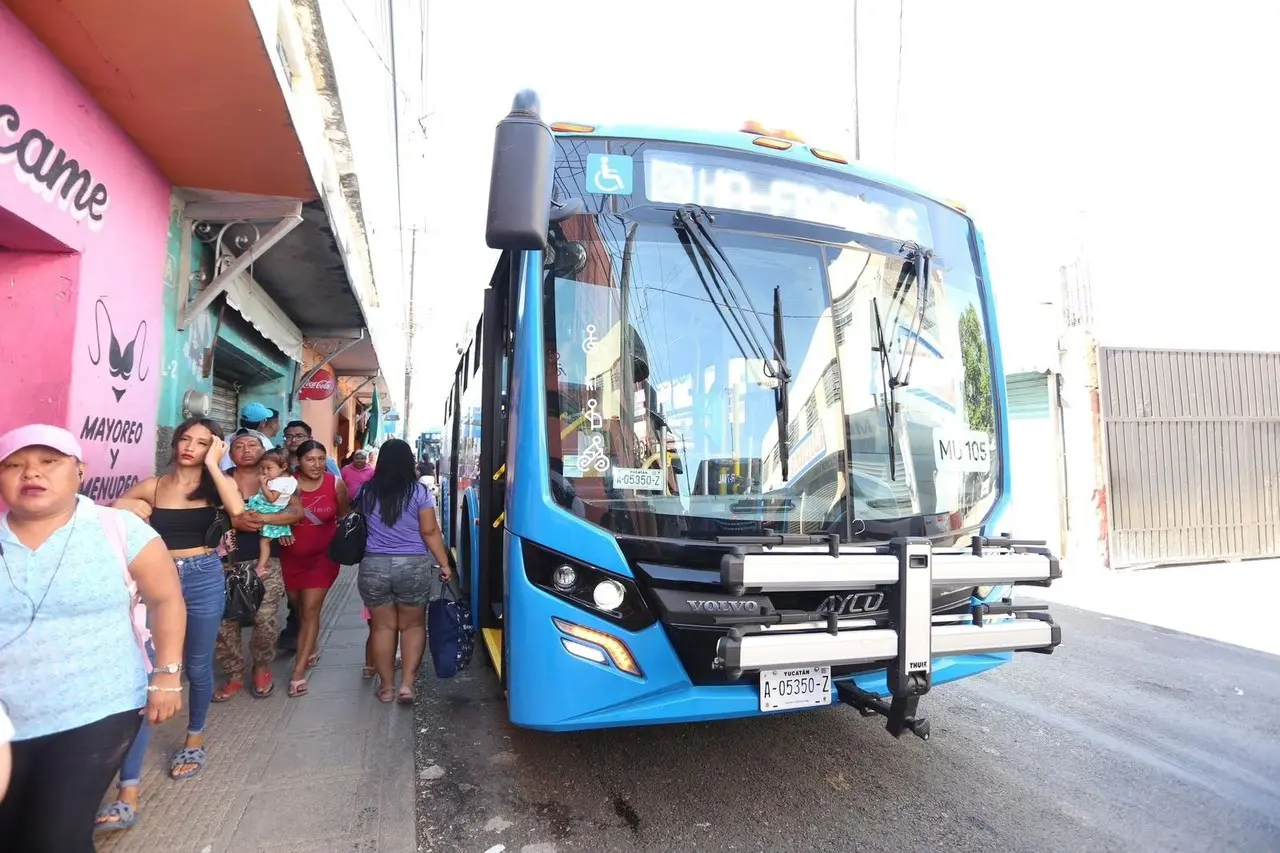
<point x="610" y="173"/>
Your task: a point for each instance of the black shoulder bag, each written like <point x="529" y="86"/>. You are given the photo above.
<point x="347" y="548"/>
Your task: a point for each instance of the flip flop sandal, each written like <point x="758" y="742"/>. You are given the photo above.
<point x="405" y="696"/>
<point x="227" y="692"/>
<point x="124" y="817"/>
<point x="188" y="755"/>
<point x="368" y="672"/>
<point x="259" y="691"/>
<point x="298" y="688"/>
<point x="313" y="660"/>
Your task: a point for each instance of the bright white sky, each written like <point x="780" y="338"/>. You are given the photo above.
<point x="1139" y="131"/>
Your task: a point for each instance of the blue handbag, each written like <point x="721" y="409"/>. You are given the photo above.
<point x="449" y="632"/>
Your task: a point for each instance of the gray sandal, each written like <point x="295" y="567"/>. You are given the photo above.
<point x="124" y="814"/>
<point x="188" y="755"/>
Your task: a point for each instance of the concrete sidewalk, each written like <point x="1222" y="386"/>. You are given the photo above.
<point x="330" y="771"/>
<point x="1231" y="602"/>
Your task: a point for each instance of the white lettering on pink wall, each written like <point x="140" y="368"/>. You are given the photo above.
<point x="50" y="171"/>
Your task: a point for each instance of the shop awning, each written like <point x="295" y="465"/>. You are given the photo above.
<point x="252" y="302"/>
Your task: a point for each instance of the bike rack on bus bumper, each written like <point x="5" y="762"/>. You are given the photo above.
<point x="913" y="568"/>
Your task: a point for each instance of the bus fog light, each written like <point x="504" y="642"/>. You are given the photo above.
<point x="564" y="578"/>
<point x="609" y="594"/>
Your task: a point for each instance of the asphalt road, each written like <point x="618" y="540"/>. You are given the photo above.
<point x="1129" y="738"/>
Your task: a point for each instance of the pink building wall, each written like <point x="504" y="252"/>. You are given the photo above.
<point x="82" y="276"/>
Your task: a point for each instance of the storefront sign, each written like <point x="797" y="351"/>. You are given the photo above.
<point x="49" y="170"/>
<point x="320" y="386"/>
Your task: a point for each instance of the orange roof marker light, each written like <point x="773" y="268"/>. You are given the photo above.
<point x="760" y="130"/>
<point x="829" y="155"/>
<point x="570" y="127"/>
<point x="957" y="205"/>
<point x="770" y="142"/>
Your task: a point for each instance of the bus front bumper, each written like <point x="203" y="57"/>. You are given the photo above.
<point x="880" y="666"/>
<point x="789" y="661"/>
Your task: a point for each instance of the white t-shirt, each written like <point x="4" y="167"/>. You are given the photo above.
<point x="227" y="464"/>
<point x="286" y="486"/>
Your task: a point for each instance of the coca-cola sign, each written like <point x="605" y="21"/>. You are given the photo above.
<point x="320" y="386"/>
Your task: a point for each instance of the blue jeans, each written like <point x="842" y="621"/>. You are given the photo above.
<point x="203" y="590"/>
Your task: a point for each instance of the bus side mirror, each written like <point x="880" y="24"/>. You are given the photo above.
<point x="520" y="184"/>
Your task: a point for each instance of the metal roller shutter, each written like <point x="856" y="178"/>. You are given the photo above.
<point x="225" y="408"/>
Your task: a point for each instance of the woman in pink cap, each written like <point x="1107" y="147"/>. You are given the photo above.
<point x="72" y="640"/>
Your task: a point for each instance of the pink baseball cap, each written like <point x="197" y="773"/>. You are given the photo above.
<point x="39" y="435"/>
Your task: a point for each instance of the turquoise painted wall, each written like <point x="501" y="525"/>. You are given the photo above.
<point x="184" y="351"/>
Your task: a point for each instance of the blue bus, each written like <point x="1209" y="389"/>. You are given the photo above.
<point x="429" y="443"/>
<point x="729" y="438"/>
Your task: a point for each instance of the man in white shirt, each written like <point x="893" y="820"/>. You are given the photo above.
<point x="258" y="419"/>
<point x="428" y="478"/>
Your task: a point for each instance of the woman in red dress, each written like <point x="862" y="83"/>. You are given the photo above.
<point x="308" y="571"/>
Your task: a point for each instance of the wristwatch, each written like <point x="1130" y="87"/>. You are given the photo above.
<point x="168" y="669"/>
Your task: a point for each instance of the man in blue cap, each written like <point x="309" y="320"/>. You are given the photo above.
<point x="258" y="419"/>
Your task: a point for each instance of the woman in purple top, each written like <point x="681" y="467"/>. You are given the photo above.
<point x="397" y="570"/>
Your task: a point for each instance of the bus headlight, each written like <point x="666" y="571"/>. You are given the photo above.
<point x="565" y="578"/>
<point x="609" y="594"/>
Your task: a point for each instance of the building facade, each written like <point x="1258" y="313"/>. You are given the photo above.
<point x="83" y="214"/>
<point x="182" y="229"/>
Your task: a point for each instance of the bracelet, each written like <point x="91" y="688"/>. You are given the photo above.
<point x="151" y="688"/>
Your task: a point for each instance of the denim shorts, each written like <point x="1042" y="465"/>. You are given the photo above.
<point x="385" y="579"/>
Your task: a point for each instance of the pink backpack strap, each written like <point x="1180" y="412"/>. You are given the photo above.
<point x="113" y="525"/>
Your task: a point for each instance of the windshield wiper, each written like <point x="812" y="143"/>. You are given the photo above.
<point x="781" y="398"/>
<point x="921" y="260"/>
<point x="890" y="385"/>
<point x="690" y="224"/>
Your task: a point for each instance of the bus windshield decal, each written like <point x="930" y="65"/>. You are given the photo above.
<point x="774" y="189"/>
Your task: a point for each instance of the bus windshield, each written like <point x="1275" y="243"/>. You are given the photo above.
<point x="664" y="415"/>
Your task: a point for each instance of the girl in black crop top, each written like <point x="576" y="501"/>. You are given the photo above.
<point x="182" y="505"/>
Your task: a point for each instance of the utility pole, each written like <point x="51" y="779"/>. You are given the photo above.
<point x="857" y="96"/>
<point x="408" y="356"/>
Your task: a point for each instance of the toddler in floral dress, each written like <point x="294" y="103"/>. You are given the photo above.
<point x="277" y="487"/>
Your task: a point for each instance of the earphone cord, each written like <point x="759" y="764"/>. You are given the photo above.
<point x="35" y="606"/>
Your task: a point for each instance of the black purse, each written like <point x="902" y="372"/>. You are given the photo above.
<point x="347" y="547"/>
<point x="216" y="533"/>
<point x="244" y="592"/>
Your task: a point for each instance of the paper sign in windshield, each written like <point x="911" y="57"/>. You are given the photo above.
<point x="638" y="479"/>
<point x="962" y="450"/>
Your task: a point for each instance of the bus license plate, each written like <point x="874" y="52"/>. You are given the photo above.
<point x="805" y="687"/>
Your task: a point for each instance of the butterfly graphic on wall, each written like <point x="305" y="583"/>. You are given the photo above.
<point x="120" y="360"/>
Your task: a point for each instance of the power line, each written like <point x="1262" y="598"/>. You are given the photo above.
<point x="376" y="52"/>
<point x="897" y="94"/>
